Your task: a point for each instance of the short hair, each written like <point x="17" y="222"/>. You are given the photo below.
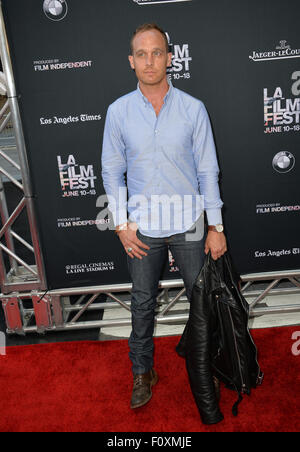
<point x="148" y="27"/>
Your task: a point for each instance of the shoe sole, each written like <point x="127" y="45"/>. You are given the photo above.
<point x="153" y="383"/>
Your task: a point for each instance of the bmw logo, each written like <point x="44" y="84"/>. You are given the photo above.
<point x="283" y="162"/>
<point x="55" y="9"/>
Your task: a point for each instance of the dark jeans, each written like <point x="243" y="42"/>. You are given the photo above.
<point x="145" y="275"/>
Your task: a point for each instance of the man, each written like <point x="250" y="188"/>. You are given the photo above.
<point x="161" y="138"/>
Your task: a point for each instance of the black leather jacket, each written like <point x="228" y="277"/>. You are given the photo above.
<point x="216" y="340"/>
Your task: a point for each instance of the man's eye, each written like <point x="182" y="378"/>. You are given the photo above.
<point x="157" y="53"/>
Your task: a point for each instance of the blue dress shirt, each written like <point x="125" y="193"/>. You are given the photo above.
<point x="167" y="162"/>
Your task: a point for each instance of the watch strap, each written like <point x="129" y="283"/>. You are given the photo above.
<point x="216" y="228"/>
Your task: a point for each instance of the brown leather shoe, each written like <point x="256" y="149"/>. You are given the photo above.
<point x="142" y="384"/>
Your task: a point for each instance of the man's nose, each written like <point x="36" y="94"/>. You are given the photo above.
<point x="149" y="59"/>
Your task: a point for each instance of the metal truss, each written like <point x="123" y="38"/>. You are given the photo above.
<point x="53" y="311"/>
<point x="20" y="275"/>
<point x="272" y="280"/>
<point x="30" y="308"/>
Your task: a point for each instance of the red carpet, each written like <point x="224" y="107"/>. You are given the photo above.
<point x="86" y="386"/>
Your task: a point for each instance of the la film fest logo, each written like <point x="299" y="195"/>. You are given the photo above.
<point x="156" y="2"/>
<point x="281" y="52"/>
<point x="181" y="60"/>
<point x="283" y="162"/>
<point x="282" y="114"/>
<point x="172" y="264"/>
<point x="76" y="180"/>
<point x="55" y="9"/>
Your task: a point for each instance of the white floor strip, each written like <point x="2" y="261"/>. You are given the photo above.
<point x="265" y="321"/>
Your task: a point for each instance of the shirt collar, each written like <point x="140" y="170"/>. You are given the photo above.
<point x="166" y="98"/>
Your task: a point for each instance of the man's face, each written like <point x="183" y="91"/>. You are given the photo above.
<point x="150" y="58"/>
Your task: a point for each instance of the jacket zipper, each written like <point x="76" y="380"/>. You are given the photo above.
<point x="216" y="368"/>
<point x="237" y="353"/>
<point x="260" y="375"/>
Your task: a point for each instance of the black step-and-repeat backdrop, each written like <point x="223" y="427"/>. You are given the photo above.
<point x="240" y="58"/>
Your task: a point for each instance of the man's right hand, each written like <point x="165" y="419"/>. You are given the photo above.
<point x="129" y="240"/>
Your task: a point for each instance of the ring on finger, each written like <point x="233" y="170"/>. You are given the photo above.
<point x="129" y="250"/>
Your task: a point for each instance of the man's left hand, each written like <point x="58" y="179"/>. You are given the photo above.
<point x="216" y="244"/>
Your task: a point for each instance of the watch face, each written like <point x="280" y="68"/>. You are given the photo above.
<point x="219" y="228"/>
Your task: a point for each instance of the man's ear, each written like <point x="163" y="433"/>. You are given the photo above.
<point x="170" y="59"/>
<point x="130" y="58"/>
